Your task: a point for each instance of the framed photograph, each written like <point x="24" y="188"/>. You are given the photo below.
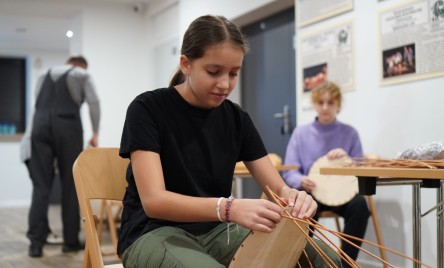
<point x="314" y="75"/>
<point x="411" y="41"/>
<point x="311" y="11"/>
<point x="399" y="61"/>
<point x="327" y="54"/>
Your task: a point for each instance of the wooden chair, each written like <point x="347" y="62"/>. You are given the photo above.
<point x="373" y="215"/>
<point x="99" y="173"/>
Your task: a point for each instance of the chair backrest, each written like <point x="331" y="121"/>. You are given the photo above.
<point x="99" y="173"/>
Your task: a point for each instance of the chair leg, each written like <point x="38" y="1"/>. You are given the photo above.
<point x="112" y="225"/>
<point x="101" y="220"/>
<point x="338" y="227"/>
<point x="106" y="209"/>
<point x="87" y="257"/>
<point x="338" y="224"/>
<point x="333" y="215"/>
<point x="376" y="226"/>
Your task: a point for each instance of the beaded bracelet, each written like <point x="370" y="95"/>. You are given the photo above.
<point x="218" y="208"/>
<point x="228" y="208"/>
<point x="227" y="216"/>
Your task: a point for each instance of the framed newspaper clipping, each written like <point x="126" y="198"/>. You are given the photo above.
<point x="411" y="41"/>
<point x="311" y="11"/>
<point x="327" y="54"/>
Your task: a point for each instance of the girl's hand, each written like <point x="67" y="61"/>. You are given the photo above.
<point x="336" y="153"/>
<point x="307" y="184"/>
<point x="304" y="206"/>
<point x="255" y="214"/>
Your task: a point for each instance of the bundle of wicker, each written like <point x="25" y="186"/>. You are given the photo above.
<point x="402" y="163"/>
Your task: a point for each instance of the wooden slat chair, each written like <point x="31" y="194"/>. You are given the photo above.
<point x="99" y="173"/>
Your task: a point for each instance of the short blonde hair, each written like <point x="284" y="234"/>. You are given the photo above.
<point x="327" y="86"/>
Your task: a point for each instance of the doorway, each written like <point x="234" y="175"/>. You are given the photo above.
<point x="269" y="83"/>
<point x="13" y="95"/>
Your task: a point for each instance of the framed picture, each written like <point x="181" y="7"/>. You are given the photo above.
<point x="314" y="75"/>
<point x="411" y="41"/>
<point x="311" y="11"/>
<point x="327" y="55"/>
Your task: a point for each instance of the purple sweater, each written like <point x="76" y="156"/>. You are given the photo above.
<point x="312" y="141"/>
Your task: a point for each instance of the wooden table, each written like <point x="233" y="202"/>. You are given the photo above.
<point x="241" y="171"/>
<point x="369" y="177"/>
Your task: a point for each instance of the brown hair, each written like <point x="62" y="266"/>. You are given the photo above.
<point x="327" y="86"/>
<point x="79" y="61"/>
<point x="204" y="32"/>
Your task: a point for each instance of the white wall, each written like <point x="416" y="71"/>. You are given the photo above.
<point x="165" y="41"/>
<point x="114" y="43"/>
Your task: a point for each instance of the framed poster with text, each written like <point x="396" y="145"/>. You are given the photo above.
<point x="327" y="55"/>
<point x="311" y="11"/>
<point x="411" y="41"/>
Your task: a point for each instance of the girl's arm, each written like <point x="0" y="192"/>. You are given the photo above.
<point x="162" y="204"/>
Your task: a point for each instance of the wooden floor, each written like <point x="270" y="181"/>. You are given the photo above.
<point x="14" y="244"/>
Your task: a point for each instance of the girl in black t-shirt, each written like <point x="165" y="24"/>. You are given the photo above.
<point x="183" y="142"/>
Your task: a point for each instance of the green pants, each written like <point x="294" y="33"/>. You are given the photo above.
<point x="172" y="247"/>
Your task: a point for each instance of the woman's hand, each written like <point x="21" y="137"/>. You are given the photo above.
<point x="255" y="214"/>
<point x="336" y="153"/>
<point x="304" y="206"/>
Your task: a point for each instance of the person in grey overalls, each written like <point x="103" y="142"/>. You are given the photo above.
<point x="57" y="137"/>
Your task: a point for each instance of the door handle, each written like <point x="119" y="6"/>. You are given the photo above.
<point x="285" y="115"/>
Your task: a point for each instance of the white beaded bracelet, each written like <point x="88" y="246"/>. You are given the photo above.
<point x="218" y="208"/>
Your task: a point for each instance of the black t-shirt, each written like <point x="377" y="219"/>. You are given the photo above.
<point x="198" y="150"/>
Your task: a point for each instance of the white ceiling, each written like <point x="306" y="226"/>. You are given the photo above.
<point x="44" y="25"/>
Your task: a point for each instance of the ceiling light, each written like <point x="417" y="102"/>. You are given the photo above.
<point x="69" y="33"/>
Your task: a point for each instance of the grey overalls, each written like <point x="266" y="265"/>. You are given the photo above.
<point x="57" y="134"/>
